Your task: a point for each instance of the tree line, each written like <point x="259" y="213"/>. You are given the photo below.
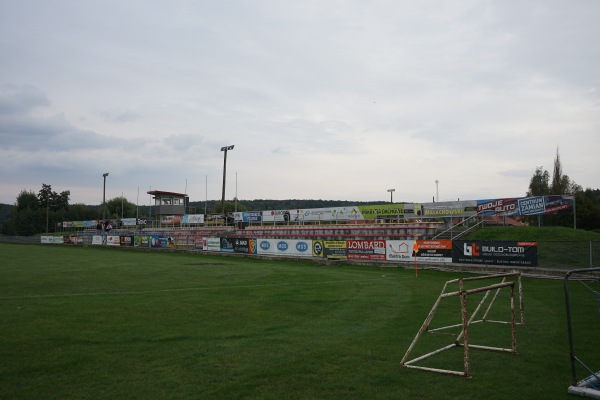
<point x="587" y="202"/>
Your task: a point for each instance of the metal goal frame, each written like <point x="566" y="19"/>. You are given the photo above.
<point x="467" y="320"/>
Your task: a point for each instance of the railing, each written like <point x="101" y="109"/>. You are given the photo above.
<point x="461" y="232"/>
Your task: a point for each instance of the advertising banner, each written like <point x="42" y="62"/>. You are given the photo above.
<point x="245" y="245"/>
<point x="336" y="214"/>
<point x="126" y="240"/>
<point x="211" y="244"/>
<point x="365" y="249"/>
<point x="97" y="240"/>
<point x="526" y="205"/>
<point x="509" y="206"/>
<point x="129" y="221"/>
<point x="227" y="245"/>
<point x="161" y="242"/>
<point x="335" y="249"/>
<point x="521" y="254"/>
<point x="400" y="250"/>
<point x="193" y="219"/>
<point x="381" y="211"/>
<point x="427" y="251"/>
<point x="170" y="220"/>
<point x="46" y="239"/>
<point x="248" y="216"/>
<point x="113" y="240"/>
<point x="141" y="241"/>
<point x="434" y="251"/>
<point x="72" y="239"/>
<point x="546" y="204"/>
<point x="51" y="239"/>
<point x="283" y="247"/>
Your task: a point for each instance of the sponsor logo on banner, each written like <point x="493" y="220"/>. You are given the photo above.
<point x="399" y="250"/>
<point x="317" y="248"/>
<point x="365" y="249"/>
<point x="126" y="240"/>
<point x="498" y="207"/>
<point x="292" y="247"/>
<point x="142" y="241"/>
<point x="190" y="219"/>
<point x="495" y="253"/>
<point x="532" y="205"/>
<point x="244" y="245"/>
<point x="113" y="240"/>
<point x="228" y="245"/>
<point x="211" y="244"/>
<point x="302" y="247"/>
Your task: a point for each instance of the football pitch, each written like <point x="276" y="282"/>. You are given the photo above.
<point x="97" y="323"/>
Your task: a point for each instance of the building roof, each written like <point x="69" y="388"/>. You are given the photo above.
<point x="160" y="192"/>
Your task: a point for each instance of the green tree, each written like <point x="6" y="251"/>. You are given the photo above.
<point x="588" y="209"/>
<point x="540" y="185"/>
<point x="120" y="207"/>
<point x="49" y="198"/>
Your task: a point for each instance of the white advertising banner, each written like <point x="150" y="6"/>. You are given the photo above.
<point x="283" y="247"/>
<point x="51" y="239"/>
<point x="96" y="240"/>
<point x="211" y="244"/>
<point x="113" y="240"/>
<point x="298" y="216"/>
<point x="193" y="219"/>
<point x="400" y="250"/>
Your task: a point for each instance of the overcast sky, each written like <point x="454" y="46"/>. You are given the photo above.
<point x="337" y="100"/>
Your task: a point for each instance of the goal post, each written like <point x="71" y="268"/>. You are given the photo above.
<point x="490" y="294"/>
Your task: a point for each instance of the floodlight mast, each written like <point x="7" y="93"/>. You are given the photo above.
<point x="391" y="194"/>
<point x="224" y="149"/>
<point x="104" y="175"/>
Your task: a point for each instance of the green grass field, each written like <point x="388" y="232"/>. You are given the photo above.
<point x="94" y="323"/>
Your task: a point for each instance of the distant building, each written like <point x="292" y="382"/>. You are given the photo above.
<point x="169" y="207"/>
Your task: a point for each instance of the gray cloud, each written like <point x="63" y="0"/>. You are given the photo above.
<point x="399" y="93"/>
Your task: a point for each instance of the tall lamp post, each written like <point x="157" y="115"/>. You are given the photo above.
<point x="391" y="194"/>
<point x="104" y="198"/>
<point x="437" y="192"/>
<point x="224" y="149"/>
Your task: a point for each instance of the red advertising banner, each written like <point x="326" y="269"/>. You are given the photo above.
<point x="365" y="249"/>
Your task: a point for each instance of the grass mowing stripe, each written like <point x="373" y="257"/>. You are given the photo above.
<point x="37" y="296"/>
